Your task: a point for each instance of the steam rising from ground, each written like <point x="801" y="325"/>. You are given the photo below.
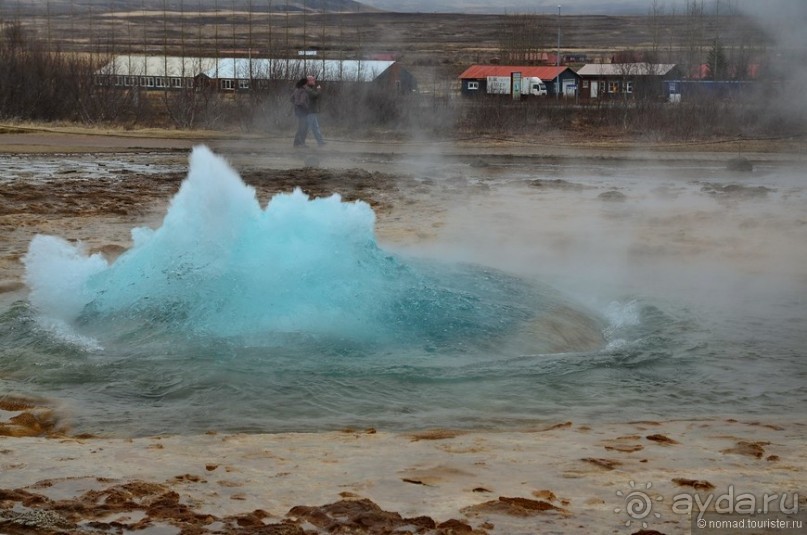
<point x="696" y="235"/>
<point x="783" y="20"/>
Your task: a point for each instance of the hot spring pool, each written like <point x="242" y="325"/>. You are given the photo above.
<point x="231" y="316"/>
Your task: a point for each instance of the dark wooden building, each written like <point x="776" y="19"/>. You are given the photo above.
<point x="557" y="79"/>
<point x="612" y="80"/>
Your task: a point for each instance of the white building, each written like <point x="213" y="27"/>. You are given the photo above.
<point x="229" y="74"/>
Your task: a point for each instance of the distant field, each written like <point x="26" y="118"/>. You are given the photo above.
<point x="417" y="39"/>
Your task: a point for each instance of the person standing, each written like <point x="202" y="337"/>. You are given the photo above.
<point x="301" y="103"/>
<point x="314" y="92"/>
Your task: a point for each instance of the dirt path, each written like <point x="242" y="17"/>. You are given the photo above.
<point x="72" y="140"/>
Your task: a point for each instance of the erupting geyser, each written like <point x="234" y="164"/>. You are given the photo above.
<point x="222" y="267"/>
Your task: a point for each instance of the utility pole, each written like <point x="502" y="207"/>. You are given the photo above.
<point x="557" y="58"/>
<point x="717" y="40"/>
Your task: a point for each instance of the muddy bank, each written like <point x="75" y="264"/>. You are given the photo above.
<point x="557" y="478"/>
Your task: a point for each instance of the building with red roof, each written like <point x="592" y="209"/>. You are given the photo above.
<point x="557" y="79"/>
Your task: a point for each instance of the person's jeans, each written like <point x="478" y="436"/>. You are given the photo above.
<point x="302" y="130"/>
<point x="313" y="125"/>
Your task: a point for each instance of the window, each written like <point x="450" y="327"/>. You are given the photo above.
<point x="473" y="86"/>
<point x="160" y="82"/>
<point x="585" y="84"/>
<point x="243" y="84"/>
<point x="176" y="83"/>
<point x="131" y="81"/>
<point x="120" y="80"/>
<point x="228" y="84"/>
<point x="628" y="87"/>
<point x="613" y="86"/>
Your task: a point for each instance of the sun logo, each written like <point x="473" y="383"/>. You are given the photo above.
<point x="638" y="504"/>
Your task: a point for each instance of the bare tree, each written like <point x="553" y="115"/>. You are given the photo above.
<point x="250" y="44"/>
<point x="305" y="34"/>
<point x="716" y="64"/>
<point x="657" y="25"/>
<point x="216" y="36"/>
<point x="287" y="46"/>
<point x="522" y="39"/>
<point x="629" y="72"/>
<point x="48" y="16"/>
<point x="270" y="38"/>
<point x="693" y="35"/>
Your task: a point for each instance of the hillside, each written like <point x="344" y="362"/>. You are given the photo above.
<point x="588" y="7"/>
<point x="430" y="39"/>
<point x="60" y="7"/>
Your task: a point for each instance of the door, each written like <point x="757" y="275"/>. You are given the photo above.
<point x="594" y="88"/>
<point x="569" y="88"/>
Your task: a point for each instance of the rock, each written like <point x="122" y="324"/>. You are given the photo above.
<point x="735" y="191"/>
<point x="607" y="464"/>
<point x="557" y="183"/>
<point x="37" y="520"/>
<point x="518" y="507"/>
<point x="697" y="484"/>
<point x="739" y="164"/>
<point x="357" y="516"/>
<point x="8" y="286"/>
<point x="661" y="439"/>
<point x="612" y="196"/>
<point x="752" y="449"/>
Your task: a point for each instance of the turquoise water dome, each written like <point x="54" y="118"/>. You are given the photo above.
<point x="222" y="267"/>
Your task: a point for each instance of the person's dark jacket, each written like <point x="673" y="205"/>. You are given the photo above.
<point x="301" y="102"/>
<point x="313" y="99"/>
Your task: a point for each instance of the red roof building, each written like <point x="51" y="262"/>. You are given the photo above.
<point x="563" y="79"/>
<point x="545" y="73"/>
